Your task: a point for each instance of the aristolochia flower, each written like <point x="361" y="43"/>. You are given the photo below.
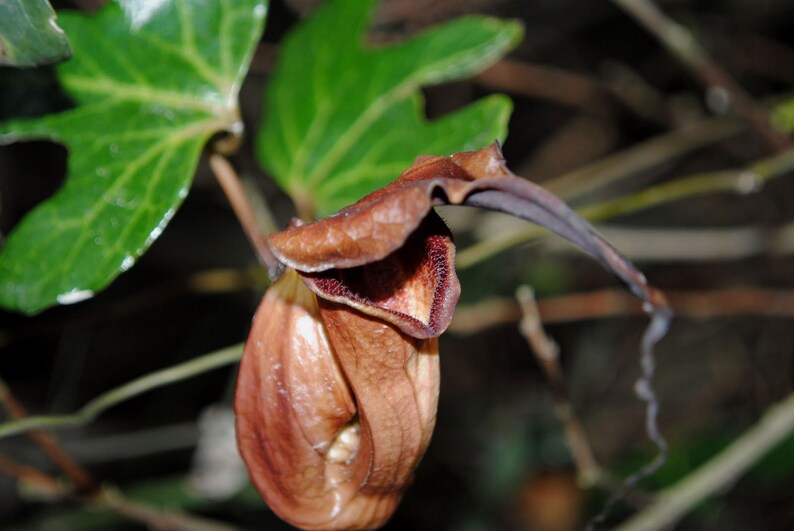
<point x="338" y="386"/>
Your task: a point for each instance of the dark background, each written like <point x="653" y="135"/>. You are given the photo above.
<point x="498" y="459"/>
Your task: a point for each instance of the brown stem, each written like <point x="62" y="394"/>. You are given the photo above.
<point x="682" y="43"/>
<point x="154" y="518"/>
<point x="580" y="141"/>
<point x="547" y="354"/>
<point x="83" y="481"/>
<point x="607" y="303"/>
<point x="235" y="193"/>
<point x="106" y="498"/>
<point x="538" y="81"/>
<point x="42" y="482"/>
<point x="305" y="206"/>
<point x="662" y="149"/>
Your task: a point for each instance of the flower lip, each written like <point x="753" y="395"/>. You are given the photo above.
<point x="381" y="222"/>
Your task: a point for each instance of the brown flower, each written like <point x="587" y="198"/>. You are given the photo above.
<point x="338" y="386"/>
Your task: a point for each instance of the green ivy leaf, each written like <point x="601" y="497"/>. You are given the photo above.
<point x="342" y="119"/>
<point x="152" y="82"/>
<point x="29" y="35"/>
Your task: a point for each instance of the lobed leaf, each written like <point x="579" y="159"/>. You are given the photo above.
<point x="344" y="118"/>
<point x="29" y="35"/>
<point x="152" y="82"/>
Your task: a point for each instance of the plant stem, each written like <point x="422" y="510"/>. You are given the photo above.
<point x="547" y="354"/>
<point x="684" y="46"/>
<point x="745" y="181"/>
<point x="608" y="303"/>
<point x="42" y="482"/>
<point x="721" y="471"/>
<point x="82" y="479"/>
<point x="549" y="83"/>
<point x="144" y="384"/>
<point x="238" y="198"/>
<point x="111" y="500"/>
<point x="154" y="518"/>
<point x="688" y="244"/>
<point x="661" y="149"/>
<point x="304" y="205"/>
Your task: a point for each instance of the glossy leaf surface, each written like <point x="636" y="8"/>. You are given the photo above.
<point x="29" y="35"/>
<point x="343" y="118"/>
<point x="152" y="81"/>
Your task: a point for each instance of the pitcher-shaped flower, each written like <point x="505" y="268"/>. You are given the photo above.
<point x="338" y="385"/>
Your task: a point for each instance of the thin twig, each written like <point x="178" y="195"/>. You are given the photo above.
<point x="638" y="95"/>
<point x="43" y="483"/>
<point x="697" y="245"/>
<point x="549" y="83"/>
<point x="749" y="180"/>
<point x="85" y="488"/>
<point x="82" y="479"/>
<point x="245" y="212"/>
<point x="154" y="518"/>
<point x="580" y="141"/>
<point x="720" y="472"/>
<point x="126" y="445"/>
<point x="46" y="486"/>
<point x="547" y="354"/>
<point x="641" y="157"/>
<point x="661" y="315"/>
<point x="609" y="303"/>
<point x="678" y="244"/>
<point x="682" y="43"/>
<point x="144" y="384"/>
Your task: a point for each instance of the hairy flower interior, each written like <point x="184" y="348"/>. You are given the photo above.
<point x="414" y="288"/>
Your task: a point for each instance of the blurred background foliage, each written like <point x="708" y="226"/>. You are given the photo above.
<point x="589" y="85"/>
